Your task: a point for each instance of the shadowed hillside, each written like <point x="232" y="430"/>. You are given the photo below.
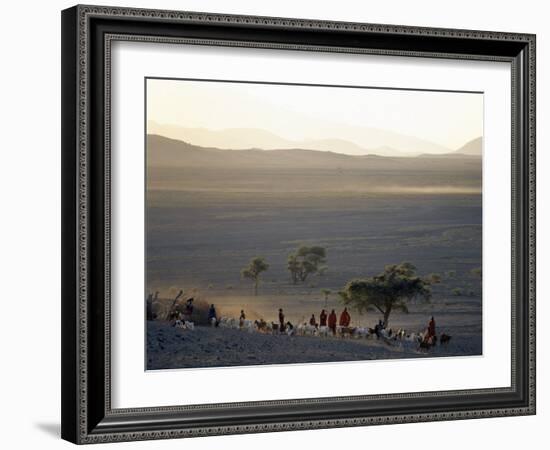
<point x="177" y="165"/>
<point x="351" y="140"/>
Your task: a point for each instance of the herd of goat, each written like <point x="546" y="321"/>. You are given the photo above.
<point x="388" y="336"/>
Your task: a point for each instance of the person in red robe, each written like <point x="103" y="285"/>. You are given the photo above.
<point x="429" y="337"/>
<point x="332" y="321"/>
<point x="323" y="318"/>
<point x="431" y="328"/>
<point x="345" y="318"/>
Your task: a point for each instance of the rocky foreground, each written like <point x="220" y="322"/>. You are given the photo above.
<point x="173" y="348"/>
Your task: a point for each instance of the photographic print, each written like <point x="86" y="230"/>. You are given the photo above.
<point x="296" y="223"/>
<point x="312" y="199"/>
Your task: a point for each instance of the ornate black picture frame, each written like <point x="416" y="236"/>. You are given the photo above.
<point x="87" y="34"/>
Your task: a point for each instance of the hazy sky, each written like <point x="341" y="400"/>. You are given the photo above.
<point x="307" y="112"/>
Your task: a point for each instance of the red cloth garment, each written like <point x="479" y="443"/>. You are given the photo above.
<point x="345" y="319"/>
<point x="323" y="319"/>
<point x="332" y="320"/>
<point x="431" y="328"/>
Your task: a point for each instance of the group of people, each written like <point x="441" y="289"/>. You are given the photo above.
<point x="325" y="320"/>
<point x="184" y="314"/>
<point x="331" y="320"/>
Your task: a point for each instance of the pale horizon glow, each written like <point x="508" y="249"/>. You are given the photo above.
<point x="368" y="118"/>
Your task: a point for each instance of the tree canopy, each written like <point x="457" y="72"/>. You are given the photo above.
<point x="391" y="290"/>
<point x="306" y="261"/>
<point x="253" y="271"/>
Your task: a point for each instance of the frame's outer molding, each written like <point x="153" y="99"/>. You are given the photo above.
<point x="87" y="416"/>
<point x="70" y="411"/>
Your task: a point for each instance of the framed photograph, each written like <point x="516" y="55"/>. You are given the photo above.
<point x="281" y="224"/>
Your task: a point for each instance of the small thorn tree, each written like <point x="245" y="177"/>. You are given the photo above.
<point x="391" y="290"/>
<point x="306" y="261"/>
<point x="253" y="271"/>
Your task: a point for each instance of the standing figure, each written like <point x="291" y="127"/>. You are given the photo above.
<point x="242" y="318"/>
<point x="281" y="320"/>
<point x="332" y="322"/>
<point x="323" y="318"/>
<point x="345" y="318"/>
<point x="188" y="309"/>
<point x="150" y="307"/>
<point x="430" y="335"/>
<point x="312" y="321"/>
<point x="212" y="317"/>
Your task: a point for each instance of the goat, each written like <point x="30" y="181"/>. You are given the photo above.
<point x="184" y="325"/>
<point x="290" y="330"/>
<point x="427" y="342"/>
<point x="229" y="322"/>
<point x="361" y="332"/>
<point x="247" y="325"/>
<point x="345" y="331"/>
<point x="261" y="325"/>
<point x="323" y="331"/>
<point x="305" y="329"/>
<point x="401" y="333"/>
<point x="385" y="335"/>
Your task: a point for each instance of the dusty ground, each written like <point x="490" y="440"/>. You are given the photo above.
<point x="205" y="223"/>
<point x="170" y="348"/>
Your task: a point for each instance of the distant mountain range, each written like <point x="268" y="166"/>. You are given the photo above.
<point x="473" y="147"/>
<point x="172" y="153"/>
<point x="366" y="141"/>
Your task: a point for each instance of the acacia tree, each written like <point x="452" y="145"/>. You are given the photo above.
<point x="397" y="285"/>
<point x="253" y="271"/>
<point x="305" y="261"/>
